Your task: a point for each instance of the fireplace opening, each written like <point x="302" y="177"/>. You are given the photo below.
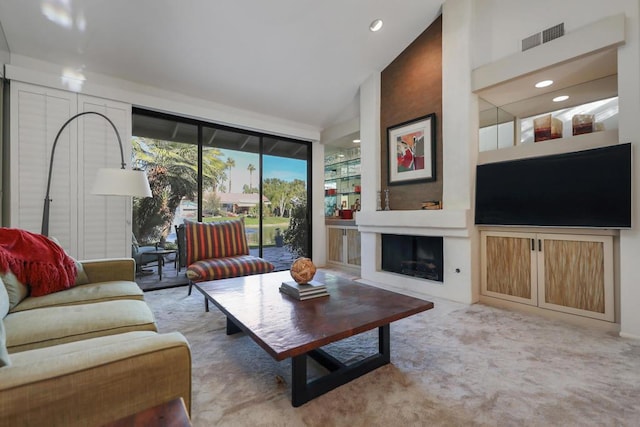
<point x="416" y="256"/>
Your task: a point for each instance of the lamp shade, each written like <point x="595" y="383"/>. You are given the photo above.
<point x="121" y="182"/>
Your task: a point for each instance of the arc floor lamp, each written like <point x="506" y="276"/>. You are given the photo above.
<point x="108" y="182"/>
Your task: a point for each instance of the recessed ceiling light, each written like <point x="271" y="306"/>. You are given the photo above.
<point x="356" y="141"/>
<point x="544" y="83"/>
<point x="560" y="98"/>
<point x="376" y="25"/>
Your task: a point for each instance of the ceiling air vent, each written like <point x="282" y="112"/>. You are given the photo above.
<point x="531" y="41"/>
<point x="553" y="33"/>
<point x="543" y="37"/>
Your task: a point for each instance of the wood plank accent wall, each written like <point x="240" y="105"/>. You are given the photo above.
<point x="411" y="87"/>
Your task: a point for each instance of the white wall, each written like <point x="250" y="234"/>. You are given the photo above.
<point x="478" y="32"/>
<point x="459" y="136"/>
<point x="37" y="72"/>
<point x="370" y="168"/>
<point x="499" y="26"/>
<point x="34" y="71"/>
<point x="319" y="235"/>
<point x="460" y="141"/>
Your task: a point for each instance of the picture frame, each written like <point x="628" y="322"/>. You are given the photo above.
<point x="412" y="151"/>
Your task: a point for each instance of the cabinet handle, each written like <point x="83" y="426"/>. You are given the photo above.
<point x="533" y="244"/>
<point x="539" y="245"/>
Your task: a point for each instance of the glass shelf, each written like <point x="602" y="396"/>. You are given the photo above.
<point x="584" y="87"/>
<point x="342" y="183"/>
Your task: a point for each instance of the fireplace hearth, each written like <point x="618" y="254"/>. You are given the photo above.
<point x="415" y="256"/>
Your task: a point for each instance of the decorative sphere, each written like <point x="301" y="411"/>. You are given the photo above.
<point x="303" y="270"/>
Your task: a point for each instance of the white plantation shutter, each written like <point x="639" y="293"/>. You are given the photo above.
<point x="87" y="226"/>
<point x="37" y="113"/>
<point x="105" y="220"/>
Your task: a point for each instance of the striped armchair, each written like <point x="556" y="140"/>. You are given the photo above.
<point x="219" y="250"/>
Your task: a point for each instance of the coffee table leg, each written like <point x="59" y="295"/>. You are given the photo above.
<point x="303" y="391"/>
<point x="384" y="343"/>
<point x="299" y="391"/>
<point x="232" y="328"/>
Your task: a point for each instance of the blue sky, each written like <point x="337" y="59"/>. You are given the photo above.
<point x="274" y="167"/>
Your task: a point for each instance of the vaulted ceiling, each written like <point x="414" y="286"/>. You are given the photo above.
<point x="298" y="60"/>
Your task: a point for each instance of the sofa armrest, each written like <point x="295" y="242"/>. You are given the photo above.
<point x="95" y="381"/>
<point x="107" y="270"/>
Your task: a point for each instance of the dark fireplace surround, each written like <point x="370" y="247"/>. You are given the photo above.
<point x="415" y="256"/>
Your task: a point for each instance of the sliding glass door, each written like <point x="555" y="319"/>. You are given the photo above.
<point x="207" y="172"/>
<point x="168" y="151"/>
<point x="285" y="186"/>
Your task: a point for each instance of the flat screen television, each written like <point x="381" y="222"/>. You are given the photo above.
<point x="590" y="188"/>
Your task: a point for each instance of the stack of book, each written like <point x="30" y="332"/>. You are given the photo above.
<point x="304" y="291"/>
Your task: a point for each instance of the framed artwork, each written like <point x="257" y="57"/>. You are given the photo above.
<point x="412" y="151"/>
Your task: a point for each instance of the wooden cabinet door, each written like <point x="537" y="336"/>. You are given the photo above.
<point x="353" y="246"/>
<point x="335" y="245"/>
<point x="509" y="269"/>
<point x="576" y="275"/>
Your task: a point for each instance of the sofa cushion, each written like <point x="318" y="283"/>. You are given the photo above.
<point x="4" y="309"/>
<point x="95" y="381"/>
<point x="81" y="275"/>
<point x="222" y="268"/>
<point x="49" y="326"/>
<point x="215" y="239"/>
<point x="17" y="291"/>
<point x="4" y="353"/>
<point x="93" y="292"/>
<point x="4" y="300"/>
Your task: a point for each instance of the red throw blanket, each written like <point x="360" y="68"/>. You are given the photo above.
<point x="36" y="261"/>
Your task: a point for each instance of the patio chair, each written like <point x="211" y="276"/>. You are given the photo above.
<point x="219" y="250"/>
<point x="140" y="255"/>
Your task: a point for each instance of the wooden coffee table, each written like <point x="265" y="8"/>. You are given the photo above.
<point x="285" y="327"/>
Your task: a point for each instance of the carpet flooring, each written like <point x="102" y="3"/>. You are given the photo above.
<point x="455" y="365"/>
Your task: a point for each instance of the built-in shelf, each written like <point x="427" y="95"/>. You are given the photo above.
<point x="511" y="79"/>
<point x="549" y="147"/>
<point x="582" y="65"/>
<point x="342" y="183"/>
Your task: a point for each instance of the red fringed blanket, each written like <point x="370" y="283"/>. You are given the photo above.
<point x="36" y="261"/>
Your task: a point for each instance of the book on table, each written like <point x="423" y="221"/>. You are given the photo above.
<point x="305" y="288"/>
<point x="304" y="297"/>
<point x="304" y="291"/>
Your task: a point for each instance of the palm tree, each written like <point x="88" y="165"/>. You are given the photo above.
<point x="172" y="169"/>
<point x="229" y="164"/>
<point x="251" y="168"/>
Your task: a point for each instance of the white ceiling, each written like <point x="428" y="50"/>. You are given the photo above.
<point x="300" y="60"/>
